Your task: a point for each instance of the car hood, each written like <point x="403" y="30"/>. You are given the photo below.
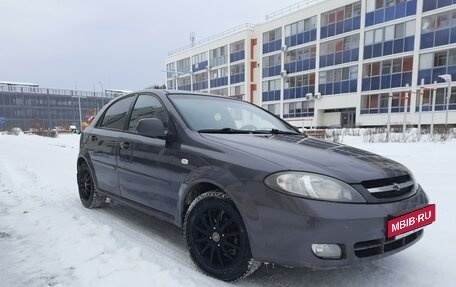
<point x="301" y="153"/>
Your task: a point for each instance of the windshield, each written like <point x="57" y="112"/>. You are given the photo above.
<point x="215" y="114"/>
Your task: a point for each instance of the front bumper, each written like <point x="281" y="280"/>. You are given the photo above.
<point x="282" y="228"/>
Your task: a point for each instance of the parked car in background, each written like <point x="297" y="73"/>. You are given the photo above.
<point x="244" y="185"/>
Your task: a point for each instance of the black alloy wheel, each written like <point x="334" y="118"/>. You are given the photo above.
<point x="90" y="198"/>
<point x="217" y="238"/>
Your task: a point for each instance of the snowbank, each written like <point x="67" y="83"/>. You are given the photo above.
<point x="48" y="239"/>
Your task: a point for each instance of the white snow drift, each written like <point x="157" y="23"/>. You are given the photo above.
<point x="48" y="239"/>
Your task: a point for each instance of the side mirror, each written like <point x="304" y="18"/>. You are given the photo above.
<point x="152" y="127"/>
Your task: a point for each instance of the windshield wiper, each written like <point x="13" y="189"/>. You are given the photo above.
<point x="224" y="131"/>
<point x="275" y="132"/>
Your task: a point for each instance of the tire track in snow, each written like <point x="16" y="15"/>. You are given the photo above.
<point x="158" y="240"/>
<point x="161" y="243"/>
<point x="135" y="228"/>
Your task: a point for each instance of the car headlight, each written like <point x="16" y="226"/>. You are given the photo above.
<point x="313" y="186"/>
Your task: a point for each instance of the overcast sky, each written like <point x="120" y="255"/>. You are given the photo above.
<point x="123" y="44"/>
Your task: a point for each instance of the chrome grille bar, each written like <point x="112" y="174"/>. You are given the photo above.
<point x="391" y="187"/>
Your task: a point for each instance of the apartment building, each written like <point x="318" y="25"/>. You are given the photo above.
<point x="334" y="63"/>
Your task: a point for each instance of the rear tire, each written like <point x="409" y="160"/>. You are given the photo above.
<point x="217" y="239"/>
<point x="88" y="194"/>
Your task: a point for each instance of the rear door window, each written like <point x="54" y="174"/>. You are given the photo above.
<point x="116" y="115"/>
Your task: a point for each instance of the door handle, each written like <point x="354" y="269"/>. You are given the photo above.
<point x="125" y="145"/>
<point x="92" y="138"/>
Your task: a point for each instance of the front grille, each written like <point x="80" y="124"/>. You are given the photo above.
<point x="390" y="187"/>
<point x="386" y="181"/>
<point x="394" y="193"/>
<point x="380" y="246"/>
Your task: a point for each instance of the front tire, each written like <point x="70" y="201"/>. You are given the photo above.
<point x="88" y="194"/>
<point x="217" y="239"/>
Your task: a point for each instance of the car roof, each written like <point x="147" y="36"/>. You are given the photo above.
<point x="176" y="92"/>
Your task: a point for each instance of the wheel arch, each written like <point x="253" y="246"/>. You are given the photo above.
<point x="82" y="159"/>
<point x="190" y="192"/>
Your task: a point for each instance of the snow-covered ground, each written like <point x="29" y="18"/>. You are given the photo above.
<point x="48" y="239"/>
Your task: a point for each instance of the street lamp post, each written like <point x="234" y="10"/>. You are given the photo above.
<point x="434" y="95"/>
<point x="79" y="105"/>
<point x="314" y="97"/>
<point x="420" y="111"/>
<point x="102" y="93"/>
<point x="208" y="71"/>
<point x="388" y="125"/>
<point x="176" y="75"/>
<point x="404" y="124"/>
<point x="80" y="113"/>
<point x="176" y="80"/>
<point x="80" y="109"/>
<point x="447" y="78"/>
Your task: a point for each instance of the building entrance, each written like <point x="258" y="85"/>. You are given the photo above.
<point x="348" y="118"/>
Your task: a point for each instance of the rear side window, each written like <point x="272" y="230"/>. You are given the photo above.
<point x="116" y="115"/>
<point x="147" y="106"/>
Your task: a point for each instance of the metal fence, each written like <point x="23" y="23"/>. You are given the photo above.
<point x="60" y="92"/>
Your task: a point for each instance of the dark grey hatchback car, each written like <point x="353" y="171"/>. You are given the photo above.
<point x="244" y="185"/>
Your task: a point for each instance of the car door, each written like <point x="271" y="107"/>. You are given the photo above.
<point x="103" y="144"/>
<point x="145" y="164"/>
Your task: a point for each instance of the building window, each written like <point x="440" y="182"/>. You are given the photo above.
<point x="237" y="73"/>
<point x="438" y="30"/>
<point x="199" y="62"/>
<point x="220" y="92"/>
<point x="273" y="108"/>
<point x="170" y="70"/>
<point x="272" y="40"/>
<point x="218" y="57"/>
<point x="391" y="73"/>
<point x="301" y="32"/>
<point x="339" y="81"/>
<point x="429" y="5"/>
<point x="170" y="85"/>
<point x="378" y="103"/>
<point x="299" y="86"/>
<point x="271" y="65"/>
<point x="237" y="92"/>
<point x="381" y="11"/>
<point x="299" y="109"/>
<point x="237" y="51"/>
<point x="341" y="20"/>
<point x="339" y="51"/>
<point x="393" y="39"/>
<point x="183" y="66"/>
<point x="271" y="90"/>
<point x="184" y="83"/>
<point x="432" y="65"/>
<point x="299" y="60"/>
<point x="200" y="81"/>
<point x="219" y="77"/>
